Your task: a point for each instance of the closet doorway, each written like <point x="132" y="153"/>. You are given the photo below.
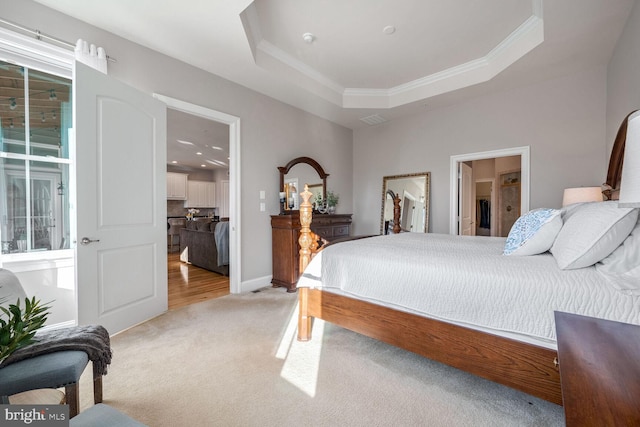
<point x="498" y="196"/>
<point x="486" y="223"/>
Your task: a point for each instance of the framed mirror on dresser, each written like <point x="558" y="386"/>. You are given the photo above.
<point x="285" y="227"/>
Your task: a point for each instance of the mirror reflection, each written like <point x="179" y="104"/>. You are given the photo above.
<point x="413" y="193"/>
<point x="293" y="177"/>
<point x="297" y="177"/>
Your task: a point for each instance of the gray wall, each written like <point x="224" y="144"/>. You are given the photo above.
<point x="562" y="120"/>
<point x="623" y="78"/>
<point x="568" y="122"/>
<point x="272" y="133"/>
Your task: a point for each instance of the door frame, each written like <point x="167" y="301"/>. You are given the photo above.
<point x="235" y="284"/>
<point x="523" y="152"/>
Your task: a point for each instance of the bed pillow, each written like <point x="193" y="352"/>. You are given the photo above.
<point x="591" y="233"/>
<point x="534" y="232"/>
<point x="622" y="266"/>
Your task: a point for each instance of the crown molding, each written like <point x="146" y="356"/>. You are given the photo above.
<point x="516" y="45"/>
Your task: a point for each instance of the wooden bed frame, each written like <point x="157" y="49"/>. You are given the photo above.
<point x="526" y="367"/>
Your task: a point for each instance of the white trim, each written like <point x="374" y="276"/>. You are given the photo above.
<point x="523" y="152"/>
<point x="235" y="259"/>
<point x="255" y="284"/>
<point x="35" y="54"/>
<point x="38" y="260"/>
<point x="521" y="41"/>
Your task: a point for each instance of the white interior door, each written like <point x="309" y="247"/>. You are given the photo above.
<point x="466" y="200"/>
<point x="121" y="189"/>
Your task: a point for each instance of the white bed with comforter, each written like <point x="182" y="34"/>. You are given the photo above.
<point x="468" y="281"/>
<point x="483" y="304"/>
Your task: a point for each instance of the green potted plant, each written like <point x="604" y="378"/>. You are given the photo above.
<point x="332" y="201"/>
<point x="18" y="327"/>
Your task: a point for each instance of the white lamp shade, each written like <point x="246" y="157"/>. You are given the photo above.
<point x="581" y="195"/>
<point x="630" y="181"/>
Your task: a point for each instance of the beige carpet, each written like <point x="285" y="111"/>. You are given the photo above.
<point x="234" y="361"/>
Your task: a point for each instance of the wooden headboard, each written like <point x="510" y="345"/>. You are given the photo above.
<point x="614" y="174"/>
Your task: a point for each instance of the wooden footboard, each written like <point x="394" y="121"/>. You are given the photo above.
<point x="522" y="366"/>
<point x="519" y="365"/>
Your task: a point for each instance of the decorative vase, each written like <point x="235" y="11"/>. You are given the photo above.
<point x="332" y="209"/>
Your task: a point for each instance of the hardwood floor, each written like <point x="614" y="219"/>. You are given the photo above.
<point x="189" y="284"/>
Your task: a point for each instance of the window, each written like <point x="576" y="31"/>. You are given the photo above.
<point x="35" y="118"/>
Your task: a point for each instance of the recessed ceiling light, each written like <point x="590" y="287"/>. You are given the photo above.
<point x="174" y="161"/>
<point x="204" y="166"/>
<point x="389" y="29"/>
<point x="216" y="148"/>
<point x="185" y="142"/>
<point x="308" y="38"/>
<point x="216" y="162"/>
<point x="199" y="153"/>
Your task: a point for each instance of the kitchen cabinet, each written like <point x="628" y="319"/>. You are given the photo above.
<point x="200" y="194"/>
<point x="176" y="186"/>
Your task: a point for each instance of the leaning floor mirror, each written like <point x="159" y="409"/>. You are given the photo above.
<point x="413" y="192"/>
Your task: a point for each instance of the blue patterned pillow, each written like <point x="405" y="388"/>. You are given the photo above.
<point x="534" y="232"/>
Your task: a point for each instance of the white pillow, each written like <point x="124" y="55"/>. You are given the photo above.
<point x="533" y="233"/>
<point x="622" y="266"/>
<point x="592" y="232"/>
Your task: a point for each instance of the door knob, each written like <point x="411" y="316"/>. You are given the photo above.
<point x="86" y="241"/>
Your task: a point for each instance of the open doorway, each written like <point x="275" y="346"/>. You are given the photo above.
<point x="228" y="189"/>
<point x="489" y="191"/>
<point x="197" y="208"/>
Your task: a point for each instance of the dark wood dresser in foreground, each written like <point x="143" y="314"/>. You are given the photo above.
<point x="284" y="242"/>
<point x="599" y="371"/>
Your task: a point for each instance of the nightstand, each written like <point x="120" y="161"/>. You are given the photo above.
<point x="599" y="370"/>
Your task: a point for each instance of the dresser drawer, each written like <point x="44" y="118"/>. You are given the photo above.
<point x="325" y="232"/>
<point x="340" y="231"/>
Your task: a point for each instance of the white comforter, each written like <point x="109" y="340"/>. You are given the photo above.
<point x="467" y="280"/>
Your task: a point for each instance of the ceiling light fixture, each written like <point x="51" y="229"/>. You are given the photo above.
<point x="199" y="153"/>
<point x="204" y="166"/>
<point x="174" y="161"/>
<point x="52" y="95"/>
<point x="185" y="142"/>
<point x="216" y="163"/>
<point x="308" y="38"/>
<point x="389" y="29"/>
<point x="12" y="103"/>
<point x="216" y="147"/>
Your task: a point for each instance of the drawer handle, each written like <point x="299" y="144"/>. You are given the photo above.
<point x="555" y="362"/>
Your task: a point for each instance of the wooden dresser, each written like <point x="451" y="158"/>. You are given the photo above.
<point x="599" y="371"/>
<point x="284" y="242"/>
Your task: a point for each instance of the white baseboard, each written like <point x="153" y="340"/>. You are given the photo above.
<point x="60" y="325"/>
<point x="254" y="284"/>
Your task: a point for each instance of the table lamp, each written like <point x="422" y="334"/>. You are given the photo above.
<point x="581" y="195"/>
<point x="630" y="180"/>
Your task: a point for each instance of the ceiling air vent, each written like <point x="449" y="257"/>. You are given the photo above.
<point x="374" y="119"/>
